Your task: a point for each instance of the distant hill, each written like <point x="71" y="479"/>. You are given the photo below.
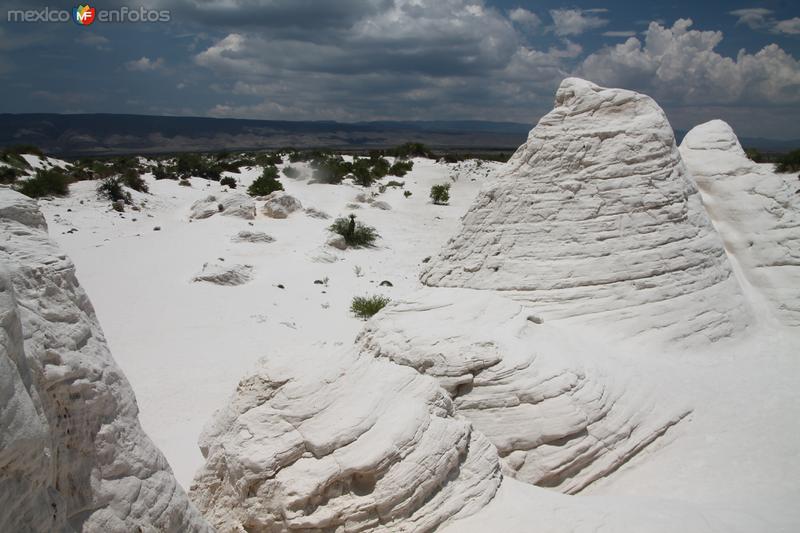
<point x="107" y="134"/>
<point x="98" y="134"/>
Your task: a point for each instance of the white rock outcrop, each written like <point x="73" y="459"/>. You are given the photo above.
<point x="280" y="205"/>
<point x="596" y="213"/>
<point x="360" y="444"/>
<point x="231" y="205"/>
<point x="221" y="273"/>
<point x="554" y="422"/>
<point x="73" y="456"/>
<point x="755" y="210"/>
<point x="253" y="237"/>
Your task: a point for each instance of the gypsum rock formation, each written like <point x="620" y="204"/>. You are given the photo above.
<point x="596" y="213"/>
<point x="73" y="456"/>
<point x="360" y="444"/>
<point x="555" y="423"/>
<point x="231" y="205"/>
<point x="755" y="210"/>
<point x="224" y="274"/>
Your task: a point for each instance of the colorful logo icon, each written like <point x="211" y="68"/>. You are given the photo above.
<point x="83" y="14"/>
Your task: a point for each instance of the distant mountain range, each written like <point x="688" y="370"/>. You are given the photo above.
<point x="107" y="134"/>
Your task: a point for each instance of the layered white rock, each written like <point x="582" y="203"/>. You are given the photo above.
<point x="72" y="454"/>
<point x="555" y="422"/>
<point x="232" y="205"/>
<point x="596" y="213"/>
<point x="221" y="273"/>
<point x="360" y="444"/>
<point x="755" y="210"/>
<point x="280" y="205"/>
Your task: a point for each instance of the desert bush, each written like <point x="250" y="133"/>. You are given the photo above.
<point x="380" y="167"/>
<point x="267" y="160"/>
<point x="401" y="168"/>
<point x="51" y="182"/>
<point x="394" y="183"/>
<point x="160" y="172"/>
<point x="365" y="307"/>
<point x="111" y="189"/>
<point x="228" y="181"/>
<point x="355" y="233"/>
<point x="788" y="162"/>
<point x="266" y="183"/>
<point x="131" y="178"/>
<point x="362" y="173"/>
<point x="406" y="193"/>
<point x="10" y="174"/>
<point x="196" y="165"/>
<point x="411" y="149"/>
<point x="440" y="194"/>
<point x="291" y="172"/>
<point x="331" y="170"/>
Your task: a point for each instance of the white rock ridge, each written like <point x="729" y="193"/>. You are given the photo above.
<point x="554" y="422"/>
<point x="755" y="210"/>
<point x="596" y="213"/>
<point x="72" y="454"/>
<point x="232" y="205"/>
<point x="362" y="444"/>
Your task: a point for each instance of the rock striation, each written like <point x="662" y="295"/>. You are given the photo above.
<point x="361" y="444"/>
<point x="755" y="210"/>
<point x="554" y="422"/>
<point x="232" y="205"/>
<point x="595" y="213"/>
<point x="73" y="456"/>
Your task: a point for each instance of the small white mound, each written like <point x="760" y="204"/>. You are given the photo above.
<point x="280" y="205"/>
<point x="223" y="274"/>
<point x="232" y="205"/>
<point x="252" y="236"/>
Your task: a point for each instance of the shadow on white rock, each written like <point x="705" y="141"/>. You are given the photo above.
<point x="72" y="454"/>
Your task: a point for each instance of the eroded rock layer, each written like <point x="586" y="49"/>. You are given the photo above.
<point x="72" y="454"/>
<point x="555" y="423"/>
<point x="755" y="210"/>
<point x="361" y="444"/>
<point x="596" y="212"/>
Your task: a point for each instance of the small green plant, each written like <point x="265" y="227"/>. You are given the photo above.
<point x="291" y="172"/>
<point x="131" y="178"/>
<point x="10" y="174"/>
<point x="265" y="184"/>
<point x="111" y="189"/>
<point x="355" y="233"/>
<point x="228" y="181"/>
<point x="440" y="194"/>
<point x="401" y="168"/>
<point x="788" y="162"/>
<point x="365" y="307"/>
<point x="51" y="182"/>
<point x="406" y="193"/>
<point x="394" y="183"/>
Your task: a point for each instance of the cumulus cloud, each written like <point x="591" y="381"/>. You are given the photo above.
<point x="790" y="27"/>
<point x="753" y="17"/>
<point x="576" y="21"/>
<point x="525" y="18"/>
<point x="680" y="65"/>
<point x="144" y="64"/>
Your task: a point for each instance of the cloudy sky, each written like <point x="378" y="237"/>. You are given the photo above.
<point x="353" y="60"/>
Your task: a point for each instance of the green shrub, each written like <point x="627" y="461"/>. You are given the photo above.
<point x="362" y="173"/>
<point x="267" y="160"/>
<point x="408" y="150"/>
<point x="160" y="172"/>
<point x="365" y="307"/>
<point x="198" y="166"/>
<point x="394" y="183"/>
<point x="331" y="170"/>
<point x="51" y="182"/>
<point x="788" y="162"/>
<point x="291" y="172"/>
<point x="131" y="178"/>
<point x="266" y="183"/>
<point x="111" y="189"/>
<point x="228" y="182"/>
<point x="380" y="167"/>
<point x="10" y="174"/>
<point x="355" y="233"/>
<point x="406" y="193"/>
<point x="440" y="194"/>
<point x="401" y="168"/>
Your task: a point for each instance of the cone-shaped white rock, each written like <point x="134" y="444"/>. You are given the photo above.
<point x="72" y="454"/>
<point x="596" y="212"/>
<point x="756" y="211"/>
